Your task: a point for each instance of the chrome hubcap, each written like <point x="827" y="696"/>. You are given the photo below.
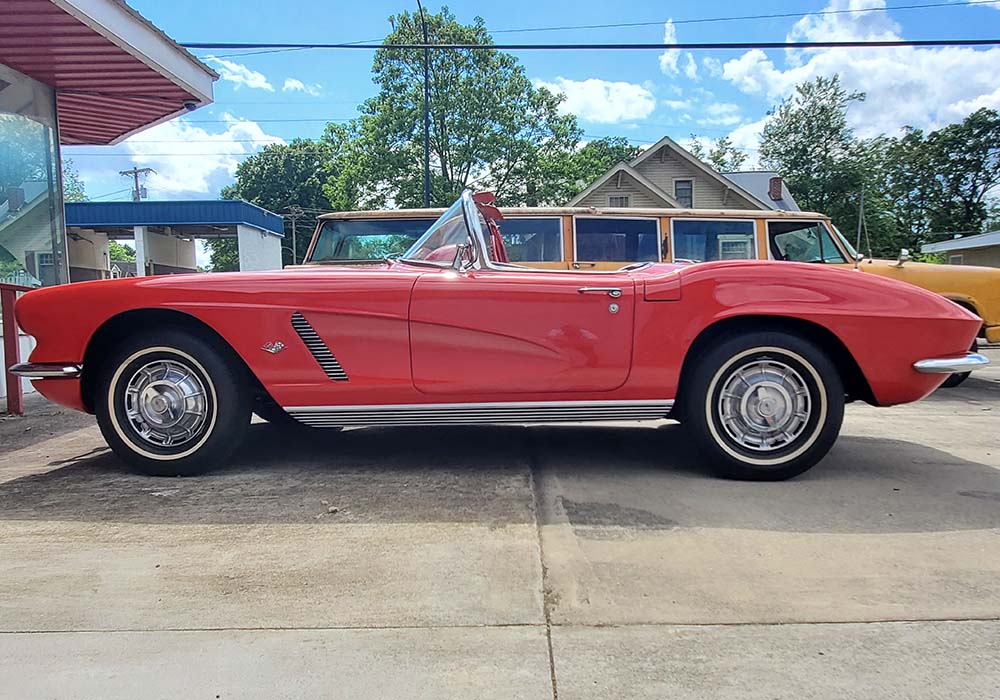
<point x="764" y="405"/>
<point x="166" y="404"/>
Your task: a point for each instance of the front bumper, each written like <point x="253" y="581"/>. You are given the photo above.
<point x="951" y="365"/>
<point x="46" y="370"/>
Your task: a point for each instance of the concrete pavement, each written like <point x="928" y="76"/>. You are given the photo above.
<point x="510" y="562"/>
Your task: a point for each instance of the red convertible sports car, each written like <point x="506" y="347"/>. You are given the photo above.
<point x="756" y="359"/>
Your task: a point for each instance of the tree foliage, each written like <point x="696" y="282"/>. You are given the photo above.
<point x="807" y="139"/>
<point x="73" y="189"/>
<point x="917" y="186"/>
<point x="489" y="125"/>
<point x="118" y="252"/>
<point x="723" y="156"/>
<point x="282" y="178"/>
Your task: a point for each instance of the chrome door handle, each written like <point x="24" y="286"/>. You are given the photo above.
<point x="613" y="292"/>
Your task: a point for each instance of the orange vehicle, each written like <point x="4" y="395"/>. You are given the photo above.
<point x="577" y="238"/>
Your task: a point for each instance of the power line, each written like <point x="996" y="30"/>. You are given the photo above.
<point x="706" y="20"/>
<point x="691" y="46"/>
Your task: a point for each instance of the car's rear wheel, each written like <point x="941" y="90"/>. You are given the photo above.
<point x="764" y="406"/>
<point x="172" y="403"/>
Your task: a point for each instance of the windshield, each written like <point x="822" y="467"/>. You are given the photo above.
<point x="802" y="241"/>
<point x="372" y="239"/>
<point x="440" y="242"/>
<point x="847" y="244"/>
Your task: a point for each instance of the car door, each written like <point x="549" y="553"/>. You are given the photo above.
<point x="512" y="332"/>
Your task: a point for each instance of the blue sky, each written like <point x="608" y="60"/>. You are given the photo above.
<point x="269" y="97"/>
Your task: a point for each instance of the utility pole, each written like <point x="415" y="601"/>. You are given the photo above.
<point x="137" y="193"/>
<point x="295" y="212"/>
<point x="427" y="119"/>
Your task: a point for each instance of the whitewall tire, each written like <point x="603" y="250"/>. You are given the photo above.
<point x="764" y="406"/>
<point x="172" y="404"/>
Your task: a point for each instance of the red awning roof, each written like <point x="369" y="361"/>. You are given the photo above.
<point x="114" y="72"/>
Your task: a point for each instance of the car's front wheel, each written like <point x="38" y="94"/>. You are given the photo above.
<point x="764" y="406"/>
<point x="172" y="403"/>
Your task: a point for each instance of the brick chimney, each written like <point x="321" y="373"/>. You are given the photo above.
<point x="774" y="188"/>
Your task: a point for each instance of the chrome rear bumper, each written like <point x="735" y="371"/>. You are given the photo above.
<point x="46" y="370"/>
<point x="951" y="365"/>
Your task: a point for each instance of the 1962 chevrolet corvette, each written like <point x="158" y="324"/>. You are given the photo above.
<point x="756" y="359"/>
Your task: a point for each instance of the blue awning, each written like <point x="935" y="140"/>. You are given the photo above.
<point x="197" y="218"/>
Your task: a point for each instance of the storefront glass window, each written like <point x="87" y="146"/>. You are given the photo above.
<point x="32" y="243"/>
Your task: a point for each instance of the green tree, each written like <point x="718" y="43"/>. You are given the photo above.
<point x="965" y="159"/>
<point x="489" y="126"/>
<point x="566" y="173"/>
<point x="723" y="156"/>
<point x="807" y="139"/>
<point x="939" y="182"/>
<point x="119" y="252"/>
<point x="224" y="255"/>
<point x="73" y="189"/>
<point x="282" y="178"/>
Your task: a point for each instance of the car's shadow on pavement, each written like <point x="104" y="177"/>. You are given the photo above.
<point x="590" y="476"/>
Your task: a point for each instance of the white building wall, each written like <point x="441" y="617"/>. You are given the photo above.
<point x="88" y="249"/>
<point x="169" y="250"/>
<point x="259" y="249"/>
<point x="27" y="345"/>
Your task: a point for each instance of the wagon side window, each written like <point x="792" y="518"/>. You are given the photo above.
<point x="702" y="240"/>
<point x="802" y="241"/>
<point x="532" y="239"/>
<point x="609" y="239"/>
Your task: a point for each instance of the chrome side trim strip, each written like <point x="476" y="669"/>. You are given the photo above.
<point x="317" y="348"/>
<point x="46" y="370"/>
<point x="476" y="413"/>
<point x="950" y="365"/>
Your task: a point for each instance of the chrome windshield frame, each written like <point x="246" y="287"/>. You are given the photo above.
<point x="465" y="201"/>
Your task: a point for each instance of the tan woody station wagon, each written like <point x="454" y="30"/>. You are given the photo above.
<point x="594" y="239"/>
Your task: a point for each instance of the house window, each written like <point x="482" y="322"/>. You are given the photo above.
<point x="619" y="200"/>
<point x="617" y="240"/>
<point x="956" y="259"/>
<point x="684" y="193"/>
<point x="713" y="239"/>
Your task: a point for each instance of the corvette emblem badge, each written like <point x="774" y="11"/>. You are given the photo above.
<point x="273" y="347"/>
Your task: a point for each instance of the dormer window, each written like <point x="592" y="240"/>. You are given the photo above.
<point x="684" y="193"/>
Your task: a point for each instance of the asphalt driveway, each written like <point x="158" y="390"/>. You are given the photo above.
<point x="510" y="562"/>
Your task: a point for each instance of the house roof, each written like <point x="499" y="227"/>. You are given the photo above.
<point x="684" y="154"/>
<point x="631" y="172"/>
<point x="980" y="240"/>
<point x="198" y="218"/>
<point x="113" y="72"/>
<point x="758" y="183"/>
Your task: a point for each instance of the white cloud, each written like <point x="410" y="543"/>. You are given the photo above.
<point x="677" y="104"/>
<point x="199" y="161"/>
<point x="922" y="87"/>
<point x="240" y="75"/>
<point x="713" y="66"/>
<point x="691" y="68"/>
<point x="722" y="114"/>
<point x="602" y="101"/>
<point x="294" y="84"/>
<point x="668" y="59"/>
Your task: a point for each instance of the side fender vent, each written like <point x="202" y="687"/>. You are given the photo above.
<point x="318" y="348"/>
